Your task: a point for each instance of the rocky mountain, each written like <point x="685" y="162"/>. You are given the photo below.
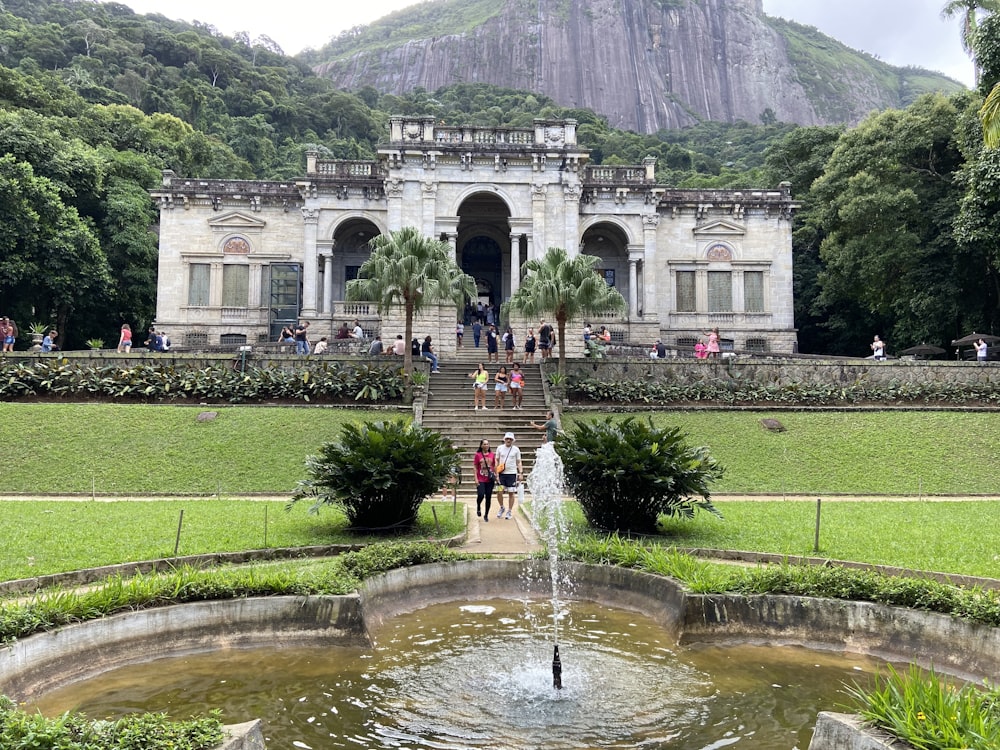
<point x="644" y="64"/>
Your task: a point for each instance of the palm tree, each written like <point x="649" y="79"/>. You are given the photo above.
<point x="968" y="10"/>
<point x="408" y="269"/>
<point x="564" y="288"/>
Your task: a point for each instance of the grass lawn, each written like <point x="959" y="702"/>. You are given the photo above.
<point x="942" y="536"/>
<point x="41" y="537"/>
<point x="846" y="453"/>
<point x="130" y="449"/>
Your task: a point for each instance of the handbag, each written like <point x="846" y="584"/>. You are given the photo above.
<point x="500" y="468"/>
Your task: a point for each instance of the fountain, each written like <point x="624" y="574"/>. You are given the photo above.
<point x="546" y="484"/>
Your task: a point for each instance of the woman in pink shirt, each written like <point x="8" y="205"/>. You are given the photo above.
<point x="713" y="343"/>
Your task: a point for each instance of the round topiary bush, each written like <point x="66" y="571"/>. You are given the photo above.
<point x="625" y="473"/>
<point x="379" y="473"/>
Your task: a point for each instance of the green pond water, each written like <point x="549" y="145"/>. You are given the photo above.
<point x="465" y="675"/>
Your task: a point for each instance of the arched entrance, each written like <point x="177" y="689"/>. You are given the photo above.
<point x="609" y="243"/>
<point x="483" y="245"/>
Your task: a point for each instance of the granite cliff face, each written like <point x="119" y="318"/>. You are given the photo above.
<point x="644" y="64"/>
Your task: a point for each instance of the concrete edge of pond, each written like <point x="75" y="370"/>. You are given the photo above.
<point x="35" y="665"/>
<point x="836" y="731"/>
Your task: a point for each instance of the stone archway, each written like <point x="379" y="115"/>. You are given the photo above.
<point x="483" y="245"/>
<point x="609" y="242"/>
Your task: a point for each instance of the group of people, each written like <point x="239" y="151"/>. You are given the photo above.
<point x="702" y="350"/>
<point x="156" y="341"/>
<point x="543" y="342"/>
<point x="503" y="469"/>
<point x="504" y="382"/>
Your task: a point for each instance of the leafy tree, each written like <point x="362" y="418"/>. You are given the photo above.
<point x="378" y="473"/>
<point x="886" y="204"/>
<point x="643" y="472"/>
<point x="800" y="158"/>
<point x="408" y="269"/>
<point x="564" y="288"/>
<point x="50" y="259"/>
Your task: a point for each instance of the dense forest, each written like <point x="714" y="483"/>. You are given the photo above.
<point x="96" y="100"/>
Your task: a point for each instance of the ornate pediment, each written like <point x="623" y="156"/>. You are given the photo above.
<point x="236" y="221"/>
<point x="720" y="228"/>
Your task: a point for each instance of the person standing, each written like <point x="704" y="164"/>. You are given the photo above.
<point x="712" y="350"/>
<point x="500" y="388"/>
<point x="477" y="332"/>
<point x="49" y="341"/>
<point x="545" y="339"/>
<point x="510" y="471"/>
<point x="301" y="334"/>
<point x="427" y="352"/>
<point x="484" y="462"/>
<point x="508" y="345"/>
<point x="516" y="385"/>
<point x="529" y="347"/>
<point x="125" y="339"/>
<point x="9" y="334"/>
<point x="492" y="354"/>
<point x="550" y="425"/>
<point x="481" y="381"/>
<point x="982" y="350"/>
<point x="878" y="348"/>
<point x="459" y="333"/>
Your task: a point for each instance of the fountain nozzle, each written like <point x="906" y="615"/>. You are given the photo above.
<point x="556" y="669"/>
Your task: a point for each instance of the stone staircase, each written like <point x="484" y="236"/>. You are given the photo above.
<point x="449" y="409"/>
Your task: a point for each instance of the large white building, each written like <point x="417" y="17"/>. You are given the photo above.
<point x="238" y="259"/>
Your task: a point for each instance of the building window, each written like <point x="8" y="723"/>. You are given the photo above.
<point x="198" y="277"/>
<point x="720" y="291"/>
<point x="753" y="291"/>
<point x="232" y="339"/>
<point x="757" y="346"/>
<point x="608" y="274"/>
<point x="235" y="285"/>
<point x="196" y="339"/>
<point x="685" y="292"/>
<point x="351" y="272"/>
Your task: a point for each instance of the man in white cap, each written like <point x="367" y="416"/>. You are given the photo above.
<point x="508" y="456"/>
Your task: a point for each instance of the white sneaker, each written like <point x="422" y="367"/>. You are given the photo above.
<point x="507" y="516"/>
<point x="500" y="513"/>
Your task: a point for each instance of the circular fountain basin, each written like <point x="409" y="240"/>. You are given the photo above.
<point x="677" y="627"/>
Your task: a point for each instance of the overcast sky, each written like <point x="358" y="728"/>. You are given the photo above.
<point x="901" y="32"/>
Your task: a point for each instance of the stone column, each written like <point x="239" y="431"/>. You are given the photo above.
<point x="650" y="282"/>
<point x="310" y="263"/>
<point x="633" y="285"/>
<point x="394" y="203"/>
<point x="538" y="216"/>
<point x="215" y="285"/>
<point x="253" y="286"/>
<point x="571" y="216"/>
<point x="430" y="190"/>
<point x="328" y="283"/>
<point x="515" y="263"/>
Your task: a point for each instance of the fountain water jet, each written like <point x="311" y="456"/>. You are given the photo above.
<point x="546" y="484"/>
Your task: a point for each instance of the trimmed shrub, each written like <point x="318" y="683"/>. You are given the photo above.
<point x="626" y="473"/>
<point x="379" y="473"/>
